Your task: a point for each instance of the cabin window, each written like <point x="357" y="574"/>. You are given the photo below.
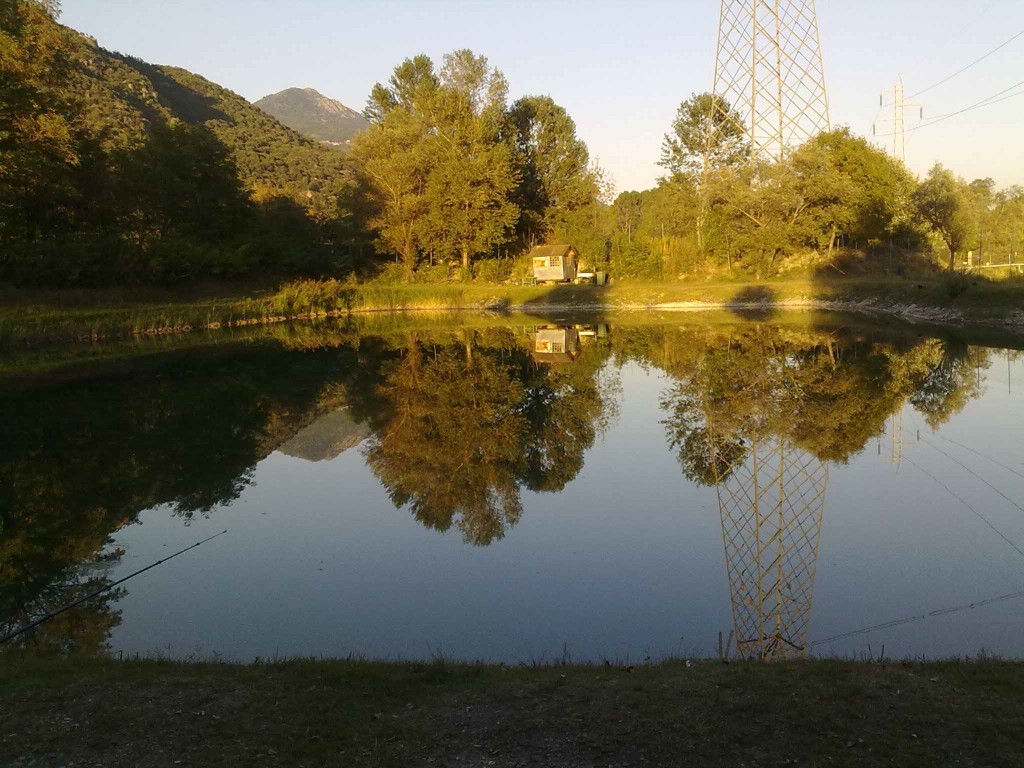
<point x="540" y="263"/>
<point x="556" y="261"/>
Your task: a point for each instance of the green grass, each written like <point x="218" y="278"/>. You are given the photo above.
<point x="351" y="713"/>
<point x="28" y="318"/>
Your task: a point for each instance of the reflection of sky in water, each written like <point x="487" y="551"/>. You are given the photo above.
<point x="626" y="561"/>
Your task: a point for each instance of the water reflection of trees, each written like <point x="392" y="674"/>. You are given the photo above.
<point x="81" y="459"/>
<point x="470" y="422"/>
<point x="460" y="423"/>
<point x="85" y="630"/>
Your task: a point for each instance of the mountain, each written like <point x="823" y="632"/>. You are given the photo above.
<point x="124" y="98"/>
<point x="313" y="114"/>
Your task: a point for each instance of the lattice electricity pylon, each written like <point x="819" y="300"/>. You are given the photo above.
<point x="772" y="502"/>
<point x="769" y="74"/>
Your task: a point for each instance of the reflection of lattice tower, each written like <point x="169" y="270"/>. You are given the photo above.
<point x="769" y="70"/>
<point x="771" y="504"/>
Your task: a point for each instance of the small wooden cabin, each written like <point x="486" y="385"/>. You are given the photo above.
<point x="554" y="263"/>
<point x="556" y="345"/>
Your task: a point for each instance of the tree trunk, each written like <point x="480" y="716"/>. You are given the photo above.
<point x="409" y="257"/>
<point x="831" y="243"/>
<point x="952" y="260"/>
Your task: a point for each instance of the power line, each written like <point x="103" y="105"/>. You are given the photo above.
<point x="959" y="498"/>
<point x="977" y="105"/>
<point x="919" y="617"/>
<point x="964" y="69"/>
<point x="979" y="453"/>
<point x="988" y="102"/>
<point x="971" y="471"/>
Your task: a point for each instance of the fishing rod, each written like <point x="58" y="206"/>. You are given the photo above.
<point x="91" y="595"/>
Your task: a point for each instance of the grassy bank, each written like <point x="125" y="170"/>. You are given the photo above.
<point x="338" y="713"/>
<point x="32" y="318"/>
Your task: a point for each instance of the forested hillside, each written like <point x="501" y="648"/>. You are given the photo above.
<point x="126" y="95"/>
<point x="163" y="175"/>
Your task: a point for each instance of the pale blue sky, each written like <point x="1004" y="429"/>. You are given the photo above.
<point x="620" y="68"/>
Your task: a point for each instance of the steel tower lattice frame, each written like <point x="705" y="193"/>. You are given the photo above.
<point x="772" y="503"/>
<point x="769" y="72"/>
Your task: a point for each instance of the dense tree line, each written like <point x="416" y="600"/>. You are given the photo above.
<point x="115" y="170"/>
<point x="717" y="210"/>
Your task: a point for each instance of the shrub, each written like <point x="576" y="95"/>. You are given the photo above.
<point x="633" y="260"/>
<point x="439" y="273"/>
<point x="956" y="285"/>
<point x="390" y="274"/>
<point x="493" y="270"/>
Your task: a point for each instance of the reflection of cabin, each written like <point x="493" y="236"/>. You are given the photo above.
<point x="556" y="345"/>
<point x="554" y="263"/>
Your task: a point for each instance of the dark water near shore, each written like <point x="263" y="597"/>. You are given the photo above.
<point x="601" y="489"/>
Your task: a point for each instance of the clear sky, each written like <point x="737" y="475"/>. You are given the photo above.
<point x="619" y="68"/>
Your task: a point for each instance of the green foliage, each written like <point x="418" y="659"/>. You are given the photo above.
<point x="995" y="222"/>
<point x="940" y="203"/>
<point x="557" y="181"/>
<point x="453" y="172"/>
<point x="493" y="270"/>
<point x="879" y="205"/>
<point x="38" y="139"/>
<point x="707" y="133"/>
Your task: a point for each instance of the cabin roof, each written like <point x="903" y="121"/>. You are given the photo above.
<point x="547" y="251"/>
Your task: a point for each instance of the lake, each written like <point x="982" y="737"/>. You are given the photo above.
<point x="617" y="488"/>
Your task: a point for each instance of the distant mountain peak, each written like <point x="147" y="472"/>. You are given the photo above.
<point x="308" y="111"/>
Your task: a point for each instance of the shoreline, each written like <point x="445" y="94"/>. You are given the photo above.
<point x="49" y="321"/>
<point x="92" y="712"/>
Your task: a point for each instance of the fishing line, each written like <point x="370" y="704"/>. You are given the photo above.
<point x="91" y="595"/>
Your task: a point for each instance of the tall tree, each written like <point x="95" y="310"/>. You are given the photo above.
<point x="939" y="201"/>
<point x="706" y="138"/>
<point x="706" y="133"/>
<point x="473" y="171"/>
<point x="880" y="206"/>
<point x="394" y="157"/>
<point x="556" y="176"/>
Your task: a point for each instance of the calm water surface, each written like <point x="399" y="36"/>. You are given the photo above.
<point x="623" y="489"/>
